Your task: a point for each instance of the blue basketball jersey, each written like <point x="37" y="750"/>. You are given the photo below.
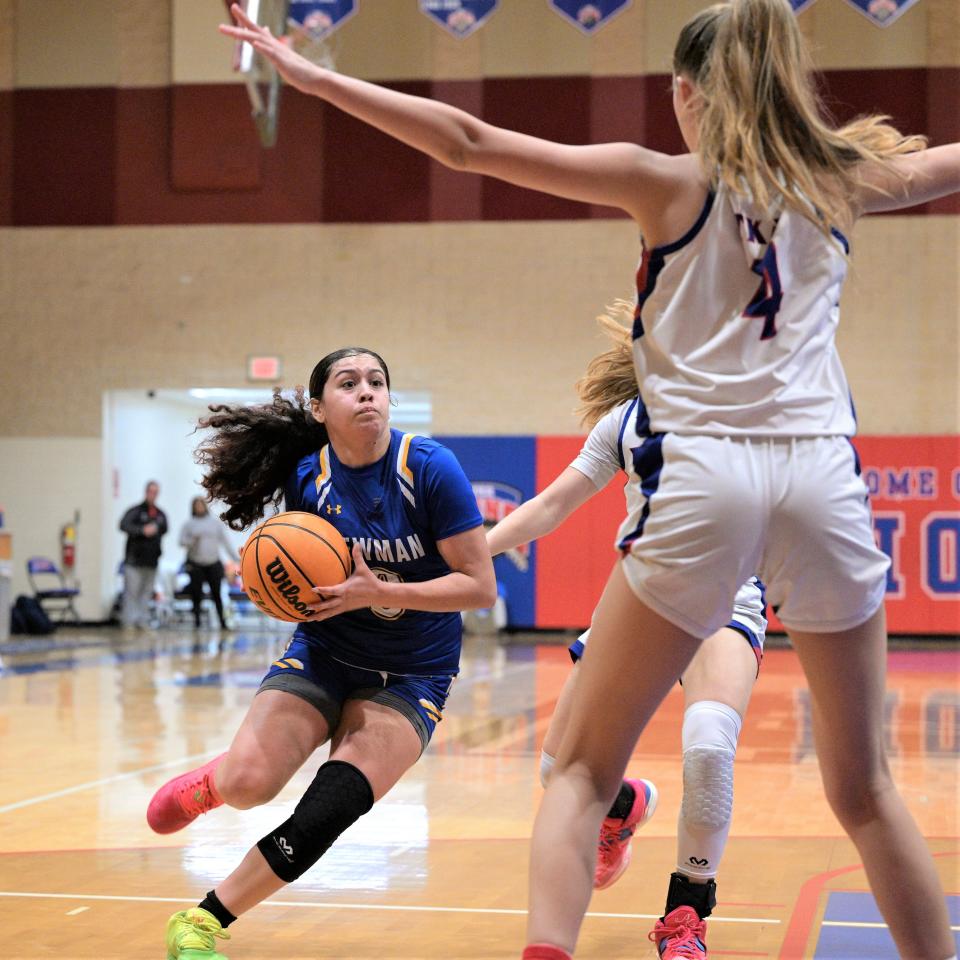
<point x="396" y="509"/>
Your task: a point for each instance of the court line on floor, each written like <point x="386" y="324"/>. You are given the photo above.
<point x="331" y="905"/>
<point x="864" y="924"/>
<point x="116" y="778"/>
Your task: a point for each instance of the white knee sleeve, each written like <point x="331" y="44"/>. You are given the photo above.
<point x="710" y="733"/>
<point x="546" y="766"/>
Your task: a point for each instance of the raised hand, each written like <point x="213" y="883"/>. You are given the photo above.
<point x="295" y="70"/>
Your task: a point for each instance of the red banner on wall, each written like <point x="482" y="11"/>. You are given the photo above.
<point x="914" y="484"/>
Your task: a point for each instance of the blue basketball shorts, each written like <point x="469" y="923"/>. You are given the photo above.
<point x="308" y="671"/>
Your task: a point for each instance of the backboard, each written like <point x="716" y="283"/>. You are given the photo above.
<point x="307" y="26"/>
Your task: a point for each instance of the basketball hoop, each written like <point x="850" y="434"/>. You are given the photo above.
<point x="307" y="27"/>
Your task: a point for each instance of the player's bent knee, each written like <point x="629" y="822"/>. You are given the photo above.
<point x="338" y="796"/>
<point x="244" y="786"/>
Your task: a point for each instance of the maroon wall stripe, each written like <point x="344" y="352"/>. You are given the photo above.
<point x="189" y="154"/>
<point x="555" y="108"/>
<point x="366" y="175"/>
<point x="6" y="158"/>
<point x="212" y="150"/>
<point x="452" y="195"/>
<point x="64" y="161"/>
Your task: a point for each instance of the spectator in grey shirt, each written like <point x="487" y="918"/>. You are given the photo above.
<point x="205" y="536"/>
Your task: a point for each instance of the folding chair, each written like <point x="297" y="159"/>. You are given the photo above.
<point x="50" y="588"/>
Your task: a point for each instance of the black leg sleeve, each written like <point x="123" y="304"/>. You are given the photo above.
<point x="339" y="795"/>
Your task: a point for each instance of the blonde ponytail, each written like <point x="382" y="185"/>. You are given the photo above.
<point x="610" y="378"/>
<point x="761" y="128"/>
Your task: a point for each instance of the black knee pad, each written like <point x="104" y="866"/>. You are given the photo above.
<point x="339" y="795"/>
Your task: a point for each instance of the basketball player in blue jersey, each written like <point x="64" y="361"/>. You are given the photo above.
<point x="716" y="685"/>
<point x="371" y="670"/>
<point x="750" y="468"/>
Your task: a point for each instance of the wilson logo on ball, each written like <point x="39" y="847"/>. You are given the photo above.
<point x="285" y="586"/>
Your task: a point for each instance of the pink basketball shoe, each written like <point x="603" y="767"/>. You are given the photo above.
<point x="680" y="935"/>
<point x="613" y="854"/>
<point x="181" y="800"/>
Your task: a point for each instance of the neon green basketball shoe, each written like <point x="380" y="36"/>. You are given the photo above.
<point x="191" y="935"/>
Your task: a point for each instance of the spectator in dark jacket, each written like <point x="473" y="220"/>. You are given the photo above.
<point x="144" y="524"/>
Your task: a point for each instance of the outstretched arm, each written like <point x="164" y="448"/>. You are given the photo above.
<point x="543" y="514"/>
<point x="622" y="175"/>
<point x="913" y="178"/>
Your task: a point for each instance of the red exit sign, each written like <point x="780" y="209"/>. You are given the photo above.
<point x="263" y="368"/>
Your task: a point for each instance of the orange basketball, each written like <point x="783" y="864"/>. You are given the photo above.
<point x="286" y="557"/>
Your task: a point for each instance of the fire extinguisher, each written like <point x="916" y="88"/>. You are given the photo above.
<point x="68" y="547"/>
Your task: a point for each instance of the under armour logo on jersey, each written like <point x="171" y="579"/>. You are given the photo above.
<point x="285" y="847"/>
<point x="696" y="861"/>
<point x="331" y="509"/>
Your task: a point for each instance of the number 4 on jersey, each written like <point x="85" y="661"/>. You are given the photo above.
<point x="766" y="301"/>
<point x="769" y="296"/>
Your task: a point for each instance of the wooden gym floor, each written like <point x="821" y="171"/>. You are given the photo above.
<point x="92" y="722"/>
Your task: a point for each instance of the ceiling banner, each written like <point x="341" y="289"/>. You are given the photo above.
<point x="882" y="12"/>
<point x="459" y="17"/>
<point x="311" y="21"/>
<point x="589" y="17"/>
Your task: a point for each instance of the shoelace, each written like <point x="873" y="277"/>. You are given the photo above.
<point x="684" y="933"/>
<point x="199" y="799"/>
<point x="205" y="928"/>
<point x="610" y="835"/>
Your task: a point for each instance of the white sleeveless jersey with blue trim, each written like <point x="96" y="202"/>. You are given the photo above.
<point x="735" y="324"/>
<point x="610" y="447"/>
<point x="619" y="441"/>
<point x="396" y="509"/>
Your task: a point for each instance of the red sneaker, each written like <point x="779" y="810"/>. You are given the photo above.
<point x="613" y="855"/>
<point x="543" y="951"/>
<point x="680" y="935"/>
<point x="181" y="800"/>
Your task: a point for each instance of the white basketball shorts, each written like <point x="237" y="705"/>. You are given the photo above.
<point x="716" y="510"/>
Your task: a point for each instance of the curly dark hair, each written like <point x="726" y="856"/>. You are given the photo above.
<point x="253" y="449"/>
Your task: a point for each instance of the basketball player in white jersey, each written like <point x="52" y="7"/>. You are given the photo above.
<point x="743" y="261"/>
<point x="716" y="685"/>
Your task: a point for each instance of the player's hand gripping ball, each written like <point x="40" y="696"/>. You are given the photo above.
<point x="286" y="557"/>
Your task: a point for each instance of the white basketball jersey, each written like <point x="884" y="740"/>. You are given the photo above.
<point x="735" y="324"/>
<point x="609" y="448"/>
